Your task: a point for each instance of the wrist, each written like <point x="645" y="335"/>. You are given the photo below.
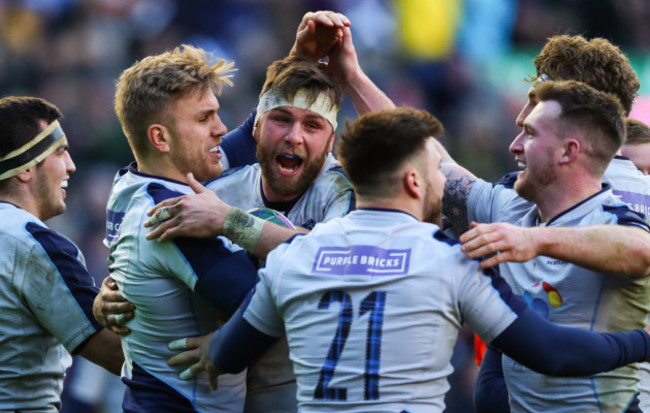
<point x="243" y="229"/>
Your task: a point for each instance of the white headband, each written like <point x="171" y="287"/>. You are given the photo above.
<point x="33" y="151"/>
<point x="323" y="105"/>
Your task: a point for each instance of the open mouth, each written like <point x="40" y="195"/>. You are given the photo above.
<point x="289" y="162"/>
<point x="216" y="149"/>
<point x="64" y="184"/>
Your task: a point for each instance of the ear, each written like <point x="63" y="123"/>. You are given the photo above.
<point x="331" y="143"/>
<point x="25" y="176"/>
<point x="256" y="132"/>
<point x="413" y="183"/>
<point x="571" y="149"/>
<point x="159" y="137"/>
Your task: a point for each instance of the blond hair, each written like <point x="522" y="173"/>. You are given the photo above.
<point x="147" y="90"/>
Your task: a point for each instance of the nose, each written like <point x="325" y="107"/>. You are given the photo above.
<point x="525" y="111"/>
<point x="219" y="129"/>
<point x="517" y="145"/>
<point x="69" y="164"/>
<point x="294" y="133"/>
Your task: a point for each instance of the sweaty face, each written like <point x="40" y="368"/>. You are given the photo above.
<point x="435" y="185"/>
<point x="639" y="154"/>
<point x="196" y="133"/>
<point x="536" y="151"/>
<point x="49" y="183"/>
<point x="292" y="147"/>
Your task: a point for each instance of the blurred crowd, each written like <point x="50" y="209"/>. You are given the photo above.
<point x="463" y="60"/>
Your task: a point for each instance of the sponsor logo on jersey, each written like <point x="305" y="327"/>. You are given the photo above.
<point x="113" y="222"/>
<point x="361" y="260"/>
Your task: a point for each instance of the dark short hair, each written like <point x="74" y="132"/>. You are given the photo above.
<point x="374" y="147"/>
<point x="597" y="114"/>
<point x="637" y="132"/>
<point x="19" y="120"/>
<point x="19" y="123"/>
<point x="596" y="62"/>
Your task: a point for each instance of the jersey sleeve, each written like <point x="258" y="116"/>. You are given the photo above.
<point x="214" y="268"/>
<point x="486" y="201"/>
<point x="60" y="291"/>
<point x="239" y="145"/>
<point x="262" y="310"/>
<point x="483" y="299"/>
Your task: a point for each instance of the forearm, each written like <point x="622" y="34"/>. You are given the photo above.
<point x="613" y="249"/>
<point x="365" y="95"/>
<point x="253" y="234"/>
<point x="237" y="344"/>
<point x="571" y="352"/>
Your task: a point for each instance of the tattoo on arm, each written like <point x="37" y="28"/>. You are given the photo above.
<point x="454" y="201"/>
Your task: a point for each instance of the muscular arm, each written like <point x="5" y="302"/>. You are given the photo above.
<point x="616" y="249"/>
<point x="104" y="349"/>
<point x="457" y="188"/>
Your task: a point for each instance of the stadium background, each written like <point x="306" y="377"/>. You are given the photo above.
<point x="463" y="60"/>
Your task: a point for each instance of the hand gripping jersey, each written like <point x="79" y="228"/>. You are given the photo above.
<point x="180" y="288"/>
<point x="46" y="298"/>
<point x="569" y="295"/>
<point x="271" y="383"/>
<point x="372" y="312"/>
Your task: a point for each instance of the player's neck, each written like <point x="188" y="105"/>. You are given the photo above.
<point x="405" y="205"/>
<point x="565" y="196"/>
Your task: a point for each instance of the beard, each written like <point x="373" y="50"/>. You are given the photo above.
<point x="532" y="184"/>
<point x="289" y="186"/>
<point x="432" y="212"/>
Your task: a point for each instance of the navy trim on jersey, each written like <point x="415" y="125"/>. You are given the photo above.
<point x="627" y="216"/>
<point x="133" y="169"/>
<point x="386" y="210"/>
<point x="237" y="344"/>
<point x="146" y="393"/>
<point x="574" y="352"/>
<point x="64" y="256"/>
<point x="566" y="211"/>
<point x="239" y="145"/>
<point x="224" y="277"/>
<point x="508" y="180"/>
<point x="442" y="237"/>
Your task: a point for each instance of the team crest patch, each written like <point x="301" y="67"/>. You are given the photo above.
<point x="361" y="260"/>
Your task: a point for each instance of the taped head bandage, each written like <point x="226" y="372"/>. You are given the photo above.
<point x="33" y="151"/>
<point x="323" y="105"/>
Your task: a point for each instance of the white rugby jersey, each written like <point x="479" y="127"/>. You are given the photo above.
<point x="372" y="312"/>
<point x="271" y="382"/>
<point x="568" y="295"/>
<point x="633" y="187"/>
<point x="330" y="195"/>
<point x="629" y="184"/>
<point x="45" y="310"/>
<point x="180" y="288"/>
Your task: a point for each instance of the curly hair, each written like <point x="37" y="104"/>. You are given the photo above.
<point x="595" y="62"/>
<point x="147" y="90"/>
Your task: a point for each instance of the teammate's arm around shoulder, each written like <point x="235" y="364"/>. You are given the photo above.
<point x="458" y="185"/>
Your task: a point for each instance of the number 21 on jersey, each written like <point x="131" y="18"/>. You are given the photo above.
<point x="372" y="309"/>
